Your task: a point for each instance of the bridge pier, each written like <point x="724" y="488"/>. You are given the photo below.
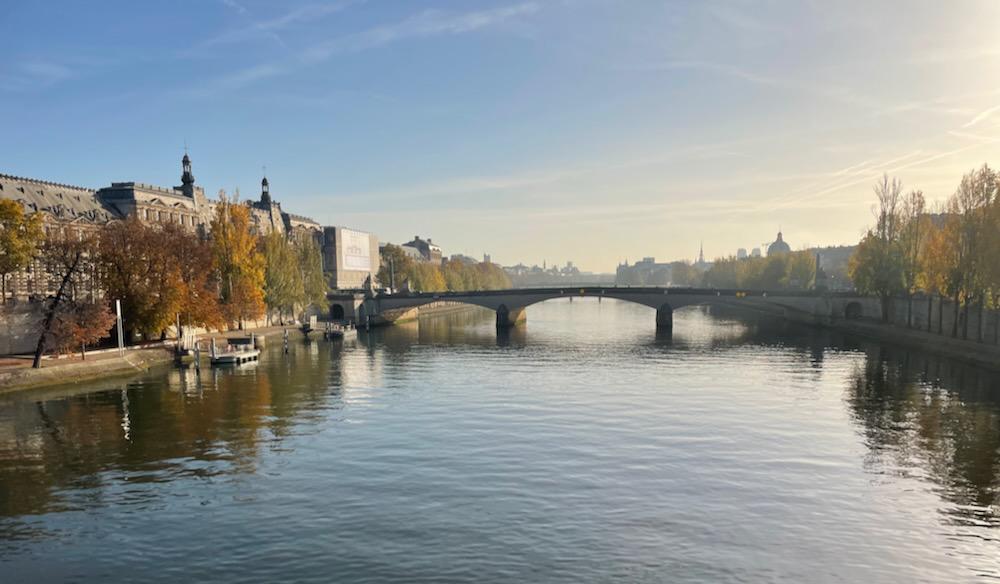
<point x="508" y="317"/>
<point x="665" y="318"/>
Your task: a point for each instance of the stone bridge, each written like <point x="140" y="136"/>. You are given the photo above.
<point x="509" y="305"/>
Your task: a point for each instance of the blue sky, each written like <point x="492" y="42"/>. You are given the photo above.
<point x="585" y="130"/>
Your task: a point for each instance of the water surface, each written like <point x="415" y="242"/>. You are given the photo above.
<point x="580" y="448"/>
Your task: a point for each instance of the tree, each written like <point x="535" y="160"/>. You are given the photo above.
<point x="394" y="265"/>
<point x="314" y="283"/>
<point x="912" y="240"/>
<point x="65" y="256"/>
<point x="139" y="266"/>
<point x="20" y="236"/>
<point x="283" y="286"/>
<point x="240" y="263"/>
<point x="193" y="257"/>
<point x="80" y="323"/>
<point x="971" y="204"/>
<point x="876" y="266"/>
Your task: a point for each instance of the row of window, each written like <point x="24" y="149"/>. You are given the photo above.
<point x="152" y="215"/>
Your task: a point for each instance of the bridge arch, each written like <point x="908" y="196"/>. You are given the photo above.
<point x="853" y="310"/>
<point x="337" y="312"/>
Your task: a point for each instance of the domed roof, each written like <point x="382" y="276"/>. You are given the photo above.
<point x="264" y="182"/>
<point x="779" y="246"/>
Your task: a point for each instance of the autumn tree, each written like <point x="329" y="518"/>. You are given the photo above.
<point x="139" y="267"/>
<point x="395" y="266"/>
<point x="241" y="265"/>
<point x="20" y="236"/>
<point x="970" y="206"/>
<point x="314" y="283"/>
<point x="193" y="257"/>
<point x="914" y="225"/>
<point x="283" y="286"/>
<point x="79" y="323"/>
<point x="876" y="266"/>
<point x="66" y="258"/>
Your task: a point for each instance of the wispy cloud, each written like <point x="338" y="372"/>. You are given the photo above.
<point x="37" y="73"/>
<point x="426" y="24"/>
<point x="234" y="5"/>
<point x="423" y="25"/>
<point x="270" y="27"/>
<point x="983" y="115"/>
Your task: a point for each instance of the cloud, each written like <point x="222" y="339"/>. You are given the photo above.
<point x="983" y="115"/>
<point x="268" y="28"/>
<point x="426" y="24"/>
<point x="233" y="4"/>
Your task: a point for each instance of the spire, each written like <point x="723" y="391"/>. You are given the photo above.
<point x="187" y="177"/>
<point x="265" y="191"/>
<point x="701" y="253"/>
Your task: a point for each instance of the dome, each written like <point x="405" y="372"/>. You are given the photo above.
<point x="779" y="246"/>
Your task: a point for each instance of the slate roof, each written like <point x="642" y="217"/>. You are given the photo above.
<point x="63" y="202"/>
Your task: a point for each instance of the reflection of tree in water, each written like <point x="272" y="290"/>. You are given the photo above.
<point x="932" y="417"/>
<point x="63" y="453"/>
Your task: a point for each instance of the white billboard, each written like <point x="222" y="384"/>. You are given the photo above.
<point x="355" y="251"/>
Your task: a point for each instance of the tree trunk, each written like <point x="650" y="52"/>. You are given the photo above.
<point x="940" y="314"/>
<point x="965" y="322"/>
<point x="885" y="308"/>
<point x="954" y="325"/>
<point x="979" y="325"/>
<point x="3" y="294"/>
<point x="909" y="310"/>
<point x="930" y="311"/>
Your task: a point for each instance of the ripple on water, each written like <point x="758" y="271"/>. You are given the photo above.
<point x="583" y="447"/>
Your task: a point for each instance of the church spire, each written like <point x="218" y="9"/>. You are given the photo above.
<point x="701" y="253"/>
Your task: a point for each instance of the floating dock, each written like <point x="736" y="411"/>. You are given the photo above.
<point x="237" y="352"/>
<point x="336" y="331"/>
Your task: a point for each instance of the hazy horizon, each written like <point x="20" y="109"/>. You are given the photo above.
<point x="581" y="130"/>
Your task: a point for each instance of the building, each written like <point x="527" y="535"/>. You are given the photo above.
<point x="428" y="250"/>
<point x="755" y="252"/>
<point x="350" y="258"/>
<point x="778" y="247"/>
<point x="646" y="272"/>
<point x="349" y="262"/>
<point x="741" y="253"/>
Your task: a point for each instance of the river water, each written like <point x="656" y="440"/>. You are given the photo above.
<point x="582" y="447"/>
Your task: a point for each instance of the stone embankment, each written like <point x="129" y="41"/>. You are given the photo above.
<point x="17" y="374"/>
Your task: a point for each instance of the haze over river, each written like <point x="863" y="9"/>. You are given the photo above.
<point x="579" y="448"/>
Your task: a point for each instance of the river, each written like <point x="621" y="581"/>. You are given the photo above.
<point x="582" y="447"/>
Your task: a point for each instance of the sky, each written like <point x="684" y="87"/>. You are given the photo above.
<point x="593" y="131"/>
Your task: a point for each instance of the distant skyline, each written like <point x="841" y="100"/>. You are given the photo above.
<point x="583" y="130"/>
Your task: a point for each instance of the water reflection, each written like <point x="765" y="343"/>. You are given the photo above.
<point x="935" y="418"/>
<point x="351" y="434"/>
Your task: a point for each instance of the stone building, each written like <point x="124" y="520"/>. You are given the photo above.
<point x="64" y="205"/>
<point x="428" y="250"/>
